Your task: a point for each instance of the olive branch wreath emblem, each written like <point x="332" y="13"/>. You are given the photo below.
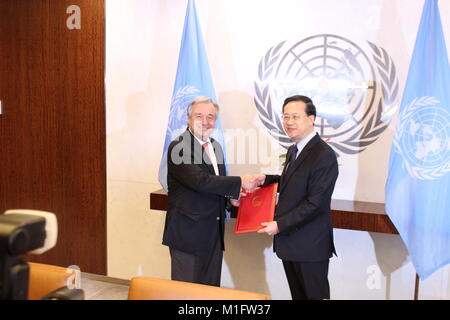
<point x="364" y="135"/>
<point x="415" y="171"/>
<point x="178" y="110"/>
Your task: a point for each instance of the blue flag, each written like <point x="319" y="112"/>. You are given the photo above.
<point x="193" y="79"/>
<point x="418" y="183"/>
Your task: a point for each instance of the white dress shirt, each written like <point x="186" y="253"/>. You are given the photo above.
<point x="210" y="153"/>
<point x="304" y="142"/>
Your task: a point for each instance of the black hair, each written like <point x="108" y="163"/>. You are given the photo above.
<point x="310" y="108"/>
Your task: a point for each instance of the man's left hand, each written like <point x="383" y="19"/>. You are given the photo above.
<point x="237" y="202"/>
<point x="271" y="228"/>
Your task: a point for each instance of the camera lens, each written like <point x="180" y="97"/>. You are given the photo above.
<point x="18" y="242"/>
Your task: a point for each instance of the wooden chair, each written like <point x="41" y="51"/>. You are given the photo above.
<point x="145" y="288"/>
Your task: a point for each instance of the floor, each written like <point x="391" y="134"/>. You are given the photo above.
<point x="103" y="288"/>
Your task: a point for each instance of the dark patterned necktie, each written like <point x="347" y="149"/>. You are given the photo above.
<point x="290" y="161"/>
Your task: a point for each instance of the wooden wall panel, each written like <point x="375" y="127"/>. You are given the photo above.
<point x="52" y="130"/>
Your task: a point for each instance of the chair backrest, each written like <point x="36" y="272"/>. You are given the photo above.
<point x="46" y="278"/>
<point x="145" y="288"/>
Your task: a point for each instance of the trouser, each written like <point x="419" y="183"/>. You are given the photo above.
<point x="205" y="269"/>
<point x="308" y="280"/>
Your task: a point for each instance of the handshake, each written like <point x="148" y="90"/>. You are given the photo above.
<point x="251" y="181"/>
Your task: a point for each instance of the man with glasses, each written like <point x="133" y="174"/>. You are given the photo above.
<point x="198" y="195"/>
<point x="302" y="229"/>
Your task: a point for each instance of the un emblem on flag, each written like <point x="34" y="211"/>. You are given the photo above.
<point x="355" y="92"/>
<point x="423" y="138"/>
<point x="178" y="116"/>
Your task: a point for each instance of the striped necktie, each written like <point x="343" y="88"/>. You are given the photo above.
<point x="290" y="161"/>
<point x="205" y="147"/>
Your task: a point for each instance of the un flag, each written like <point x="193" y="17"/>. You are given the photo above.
<point x="193" y="79"/>
<point x="418" y="183"/>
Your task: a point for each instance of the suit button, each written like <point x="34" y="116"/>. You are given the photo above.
<point x="218" y="218"/>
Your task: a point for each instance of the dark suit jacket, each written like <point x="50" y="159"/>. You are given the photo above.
<point x="197" y="197"/>
<point x="303" y="210"/>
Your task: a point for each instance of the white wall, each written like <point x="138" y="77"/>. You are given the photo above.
<point x="143" y="40"/>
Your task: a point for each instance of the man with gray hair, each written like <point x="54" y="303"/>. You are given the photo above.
<point x="198" y="194"/>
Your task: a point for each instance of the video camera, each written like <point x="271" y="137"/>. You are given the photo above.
<point x="27" y="231"/>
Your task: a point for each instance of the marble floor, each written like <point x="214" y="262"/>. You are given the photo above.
<point x="103" y="288"/>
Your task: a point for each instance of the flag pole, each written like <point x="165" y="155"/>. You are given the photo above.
<point x="416" y="288"/>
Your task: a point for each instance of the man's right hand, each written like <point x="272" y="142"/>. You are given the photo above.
<point x="251" y="181"/>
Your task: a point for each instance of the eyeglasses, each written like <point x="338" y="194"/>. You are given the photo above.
<point x="199" y="117"/>
<point x="295" y="117"/>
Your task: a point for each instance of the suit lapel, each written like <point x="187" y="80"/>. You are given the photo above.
<point x="300" y="158"/>
<point x="283" y="173"/>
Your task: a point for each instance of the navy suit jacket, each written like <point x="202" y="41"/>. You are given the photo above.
<point x="303" y="210"/>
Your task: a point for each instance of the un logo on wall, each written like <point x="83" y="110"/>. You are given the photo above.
<point x="355" y="91"/>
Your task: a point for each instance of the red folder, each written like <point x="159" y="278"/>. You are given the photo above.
<point x="256" y="207"/>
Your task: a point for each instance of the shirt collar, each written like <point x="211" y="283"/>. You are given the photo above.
<point x="304" y="142"/>
<point x="199" y="140"/>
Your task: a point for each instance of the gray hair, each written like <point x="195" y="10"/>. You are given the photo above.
<point x="201" y="99"/>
